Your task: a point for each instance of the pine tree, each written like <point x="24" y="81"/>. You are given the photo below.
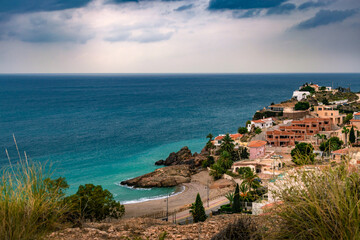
<point x="236" y="207"/>
<point x="352" y="135"/>
<point x="198" y="210"/>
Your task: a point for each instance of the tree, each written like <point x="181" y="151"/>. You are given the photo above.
<point x="302" y="106"/>
<point x="242" y="130"/>
<point x="198" y="210"/>
<point x="91" y="202"/>
<point x="345" y="131"/>
<point x="210" y="137"/>
<point x="258" y="131"/>
<point x="244" y="153"/>
<point x="325" y="101"/>
<point x="230" y="197"/>
<point x="227" y="144"/>
<point x="323" y="88"/>
<point x="352" y="138"/>
<point x="217" y="170"/>
<point x="208" y="162"/>
<point x="332" y="144"/>
<point x="322" y="137"/>
<point x="236" y="207"/>
<point x="251" y="180"/>
<point x="308" y="89"/>
<point x="57" y="186"/>
<point x="303" y="154"/>
<point x="348" y="118"/>
<point x="243" y="171"/>
<point x="247" y="123"/>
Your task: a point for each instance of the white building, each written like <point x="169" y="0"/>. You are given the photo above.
<point x="300" y="95"/>
<point x="262" y="123"/>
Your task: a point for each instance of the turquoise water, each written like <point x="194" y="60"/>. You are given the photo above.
<point x="103" y="129"/>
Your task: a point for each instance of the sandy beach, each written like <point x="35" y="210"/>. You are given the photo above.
<point x="197" y="185"/>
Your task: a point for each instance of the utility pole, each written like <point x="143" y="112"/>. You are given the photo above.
<point x="167" y="208"/>
<point x="208" y="190"/>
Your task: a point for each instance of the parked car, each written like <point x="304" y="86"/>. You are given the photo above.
<point x="276" y="157"/>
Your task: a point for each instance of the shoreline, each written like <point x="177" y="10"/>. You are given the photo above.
<point x="177" y="201"/>
<point x="178" y="190"/>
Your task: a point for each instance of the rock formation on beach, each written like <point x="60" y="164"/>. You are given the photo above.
<point x="184" y="157"/>
<point x="163" y="177"/>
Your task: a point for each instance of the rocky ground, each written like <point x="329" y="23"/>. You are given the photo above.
<point x="145" y="228"/>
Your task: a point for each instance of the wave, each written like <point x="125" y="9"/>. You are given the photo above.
<point x="146" y="199"/>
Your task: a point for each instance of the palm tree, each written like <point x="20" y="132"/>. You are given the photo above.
<point x="230" y="197"/>
<point x="322" y="137"/>
<point x="251" y="180"/>
<point x="245" y="195"/>
<point x="227" y="144"/>
<point x="345" y="131"/>
<point x="210" y="137"/>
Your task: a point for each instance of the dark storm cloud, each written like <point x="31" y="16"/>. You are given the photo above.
<point x="286" y="8"/>
<point x="243" y="4"/>
<point x="313" y="4"/>
<point x="184" y="8"/>
<point x="24" y="6"/>
<point x="326" y="17"/>
<point x="247" y="14"/>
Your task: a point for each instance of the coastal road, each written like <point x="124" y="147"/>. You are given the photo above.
<point x="214" y="205"/>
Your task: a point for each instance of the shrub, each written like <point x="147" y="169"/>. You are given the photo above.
<point x="244" y="228"/>
<point x="302" y="106"/>
<point x="303" y="154"/>
<point x="208" y="162"/>
<point x="93" y="203"/>
<point x="226" y="208"/>
<point x="309" y="89"/>
<point x="318" y="205"/>
<point x="352" y="138"/>
<point x="332" y="144"/>
<point x="258" y="131"/>
<point x="348" y="118"/>
<point x="242" y="130"/>
<point x="243" y="171"/>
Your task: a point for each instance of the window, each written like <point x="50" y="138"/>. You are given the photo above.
<point x="320" y="109"/>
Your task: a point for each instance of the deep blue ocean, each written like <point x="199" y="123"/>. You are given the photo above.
<point x="103" y="129"/>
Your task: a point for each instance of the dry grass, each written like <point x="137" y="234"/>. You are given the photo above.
<point x="29" y="209"/>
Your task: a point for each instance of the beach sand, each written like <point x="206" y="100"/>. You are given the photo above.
<point x="197" y="185"/>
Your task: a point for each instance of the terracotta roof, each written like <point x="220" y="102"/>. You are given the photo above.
<point x="257" y="143"/>
<point x="258" y="121"/>
<point x="236" y="135"/>
<point x="219" y="137"/>
<point x="357" y="114"/>
<point x="286" y="104"/>
<point x="354" y="120"/>
<point x="341" y="151"/>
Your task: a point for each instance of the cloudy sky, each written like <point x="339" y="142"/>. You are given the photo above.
<point x="182" y="36"/>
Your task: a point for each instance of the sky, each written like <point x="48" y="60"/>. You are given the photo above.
<point x="179" y="36"/>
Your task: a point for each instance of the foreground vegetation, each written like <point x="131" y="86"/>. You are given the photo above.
<point x="32" y="204"/>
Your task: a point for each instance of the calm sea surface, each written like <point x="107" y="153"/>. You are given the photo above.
<point x="103" y="129"/>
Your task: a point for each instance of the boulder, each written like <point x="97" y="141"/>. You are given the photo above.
<point x="159" y="163"/>
<point x="163" y="177"/>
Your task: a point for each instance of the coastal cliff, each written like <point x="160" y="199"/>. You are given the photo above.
<point x="184" y="157"/>
<point x="163" y="177"/>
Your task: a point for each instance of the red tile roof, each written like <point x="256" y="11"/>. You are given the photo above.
<point x="357" y="114"/>
<point x="219" y="137"/>
<point x="341" y="151"/>
<point x="256" y="144"/>
<point x="236" y="135"/>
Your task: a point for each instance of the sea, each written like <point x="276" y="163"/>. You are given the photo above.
<point x="106" y="128"/>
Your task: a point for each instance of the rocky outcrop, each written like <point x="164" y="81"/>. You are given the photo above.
<point x="184" y="157"/>
<point x="163" y="177"/>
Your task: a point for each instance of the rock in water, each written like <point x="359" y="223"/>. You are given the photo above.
<point x="163" y="177"/>
<point x="160" y="162"/>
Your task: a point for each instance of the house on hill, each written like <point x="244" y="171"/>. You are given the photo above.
<point x="257" y="149"/>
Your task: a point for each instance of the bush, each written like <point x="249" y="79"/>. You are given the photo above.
<point x="208" y="162"/>
<point x="302" y="106"/>
<point x="303" y="154"/>
<point x="244" y="228"/>
<point x="348" y="118"/>
<point x="93" y="203"/>
<point x="242" y="130"/>
<point x="258" y="131"/>
<point x="226" y="208"/>
<point x="332" y="144"/>
<point x="318" y="205"/>
<point x="309" y="89"/>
